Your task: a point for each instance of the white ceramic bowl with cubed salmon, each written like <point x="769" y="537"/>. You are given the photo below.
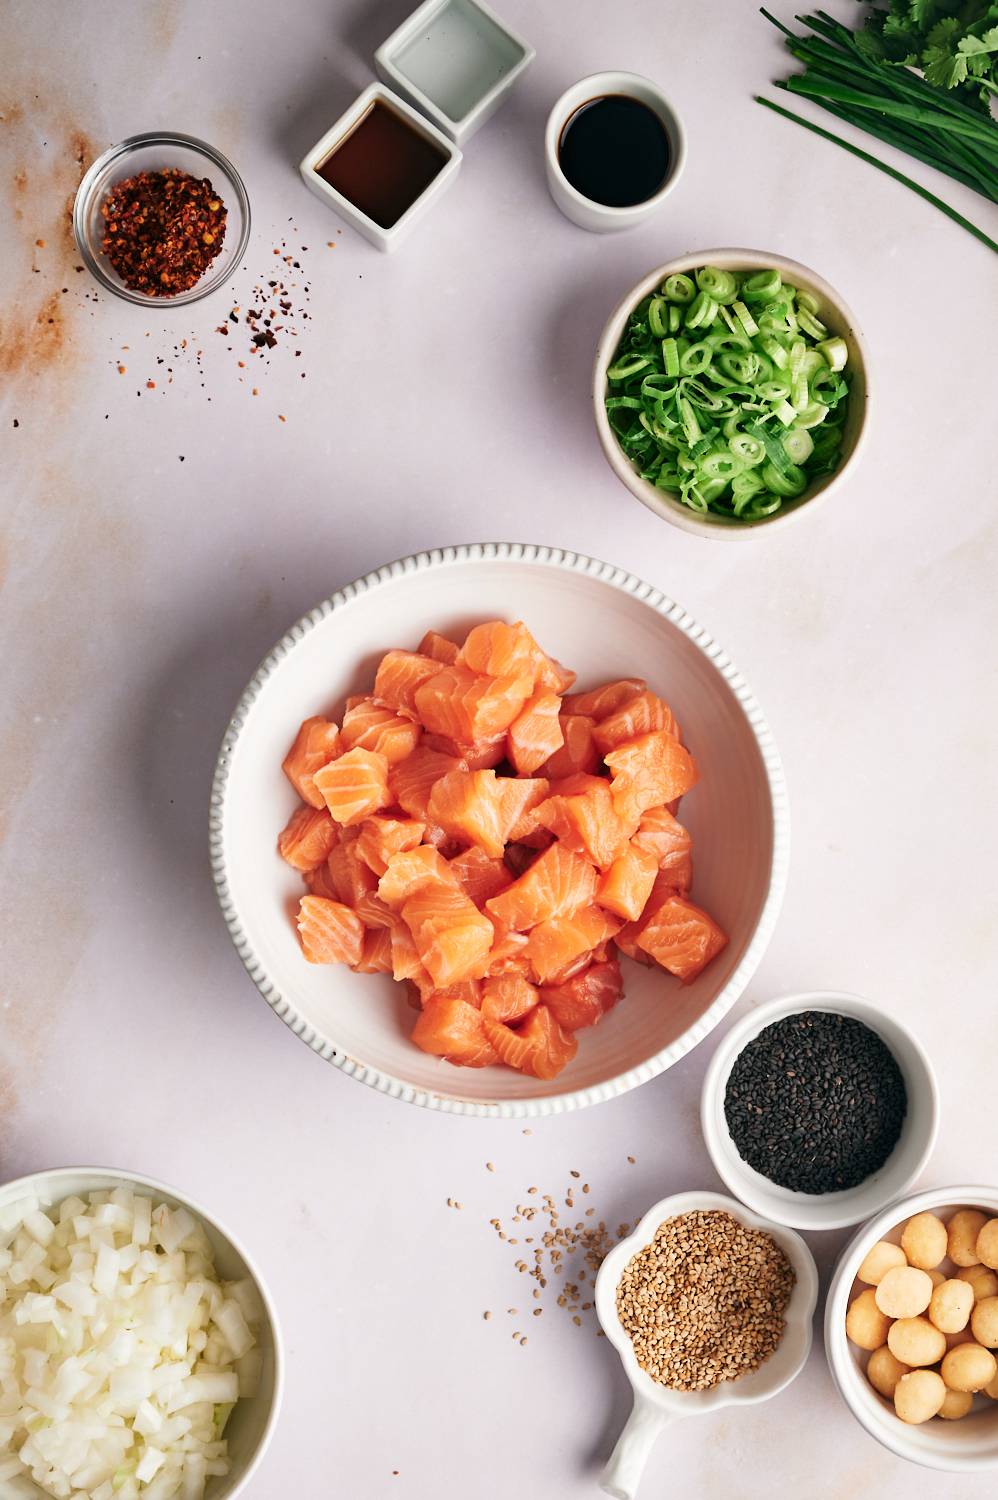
<point x="968" y="1445"/>
<point x="603" y="623"/>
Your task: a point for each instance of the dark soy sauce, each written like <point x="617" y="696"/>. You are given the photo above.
<point x="383" y="165"/>
<point x="615" y="150"/>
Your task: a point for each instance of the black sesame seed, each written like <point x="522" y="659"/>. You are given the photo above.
<point x="815" y="1102"/>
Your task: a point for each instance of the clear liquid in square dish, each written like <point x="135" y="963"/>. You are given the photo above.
<point x="457" y="58"/>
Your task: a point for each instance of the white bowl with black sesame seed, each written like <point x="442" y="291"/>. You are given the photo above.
<point x="655" y="1403"/>
<point x="809" y="1144"/>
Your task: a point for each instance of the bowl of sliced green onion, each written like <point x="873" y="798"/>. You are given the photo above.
<point x="730" y="390"/>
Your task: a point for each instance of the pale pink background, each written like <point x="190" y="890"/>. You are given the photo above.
<point x="446" y="399"/>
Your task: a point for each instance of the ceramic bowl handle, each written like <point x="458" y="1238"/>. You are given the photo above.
<point x="623" y="1472"/>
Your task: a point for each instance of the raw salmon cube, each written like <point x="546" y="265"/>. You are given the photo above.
<point x="467" y="706"/>
<point x="588" y="824"/>
<point x="508" y="955"/>
<point x="380" y="838"/>
<point x="483" y="755"/>
<point x="535" y="734"/>
<point x="522" y="796"/>
<point x="681" y="937"/>
<point x="438" y="648"/>
<point x="647" y="771"/>
<point x="330" y="932"/>
<point x="508" y="997"/>
<point x="501" y="650"/>
<point x="602" y="701"/>
<point x="538" y="1046"/>
<point x="398" y="678"/>
<point x="671" y="845"/>
<point x="374" y="913"/>
<point x="410" y="872"/>
<point x="585" y="999"/>
<point x="320" y="881"/>
<point x="577" y="751"/>
<point x="350" y="875"/>
<point x="316" y="744"/>
<point x="555" y="944"/>
<point x="412" y="781"/>
<point x="376" y="955"/>
<point x="453" y="1029"/>
<point x="558" y="882"/>
<point x="452" y="937"/>
<point x="355" y="786"/>
<point x="553" y="676"/>
<point x="406" y="962"/>
<point x="643" y="714"/>
<point x="468" y="806"/>
<point x="627" y="884"/>
<point x="306" y="840"/>
<point x="481" y="877"/>
<point x="371" y="726"/>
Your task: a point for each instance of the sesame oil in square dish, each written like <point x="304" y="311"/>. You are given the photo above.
<point x="382" y="165"/>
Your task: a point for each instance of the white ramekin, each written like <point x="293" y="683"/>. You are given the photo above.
<point x="967" y="1446"/>
<point x="824" y="1210"/>
<point x="602" y="217"/>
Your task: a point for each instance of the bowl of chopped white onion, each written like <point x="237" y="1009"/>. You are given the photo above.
<point x="140" y="1354"/>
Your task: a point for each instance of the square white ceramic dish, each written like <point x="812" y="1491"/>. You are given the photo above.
<point x="456" y="60"/>
<point x="389" y="238"/>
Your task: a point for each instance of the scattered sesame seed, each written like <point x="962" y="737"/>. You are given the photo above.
<point x="486" y="1316"/>
<point x="490" y="1166"/>
<point x="631" y="1160"/>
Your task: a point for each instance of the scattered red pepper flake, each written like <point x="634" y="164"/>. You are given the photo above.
<point x="163" y="230"/>
<point x="280" y="418"/>
<point x="40" y="244"/>
<point x="122" y="369"/>
<point x="150" y="385"/>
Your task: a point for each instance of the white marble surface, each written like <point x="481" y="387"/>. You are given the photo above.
<point x="445" y="400"/>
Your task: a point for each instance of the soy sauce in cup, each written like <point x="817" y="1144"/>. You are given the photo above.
<point x="615" y="150"/>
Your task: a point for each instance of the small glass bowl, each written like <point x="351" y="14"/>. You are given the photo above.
<point x="151" y="153"/>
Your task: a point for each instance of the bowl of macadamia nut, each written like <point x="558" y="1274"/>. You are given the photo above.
<point x="911" y="1327"/>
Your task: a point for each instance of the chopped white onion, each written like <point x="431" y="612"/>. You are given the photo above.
<point x="121" y="1354"/>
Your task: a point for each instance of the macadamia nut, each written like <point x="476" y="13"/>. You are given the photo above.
<point x="919" y="1395"/>
<point x="987" y="1245"/>
<point x="904" y="1292"/>
<point x="956" y="1404"/>
<point x="983" y="1280"/>
<point x="969" y="1368"/>
<point x="924" y="1241"/>
<point x="936" y="1277"/>
<point x="878" y="1260"/>
<point x="884" y="1371"/>
<point x="984" y="1322"/>
<point x="991" y="1389"/>
<point x="951" y="1305"/>
<point x="914" y="1341"/>
<point x="961" y="1235"/>
<point x="866" y="1325"/>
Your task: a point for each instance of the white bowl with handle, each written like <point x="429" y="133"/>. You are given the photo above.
<point x="655" y="1405"/>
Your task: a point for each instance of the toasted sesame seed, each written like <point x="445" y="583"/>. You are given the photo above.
<point x="490" y="1166"/>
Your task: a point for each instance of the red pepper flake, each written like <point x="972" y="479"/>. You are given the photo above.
<point x="150" y="385"/>
<point x="162" y="230"/>
<point x="255" y="391"/>
<point x="122" y="369"/>
<point x="40" y="244"/>
<point x="280" y="418"/>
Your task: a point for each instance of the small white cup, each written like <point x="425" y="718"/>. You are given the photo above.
<point x="602" y="218"/>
